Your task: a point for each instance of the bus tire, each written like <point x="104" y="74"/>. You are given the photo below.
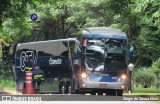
<point x="62" y="87"/>
<point x="68" y="87"/>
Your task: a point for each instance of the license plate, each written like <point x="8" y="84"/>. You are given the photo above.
<point x="103" y="85"/>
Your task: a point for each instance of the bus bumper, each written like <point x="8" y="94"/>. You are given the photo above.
<point x="90" y="85"/>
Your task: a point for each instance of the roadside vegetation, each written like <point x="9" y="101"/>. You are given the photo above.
<point x="148" y="77"/>
<point x="7" y="84"/>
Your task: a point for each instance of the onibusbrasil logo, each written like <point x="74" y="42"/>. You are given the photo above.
<point x="21" y="98"/>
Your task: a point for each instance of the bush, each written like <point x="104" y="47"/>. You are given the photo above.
<point x="155" y="66"/>
<point x="145" y="78"/>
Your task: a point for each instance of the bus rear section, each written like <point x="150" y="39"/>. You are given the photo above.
<point x="55" y="58"/>
<point x="104" y="61"/>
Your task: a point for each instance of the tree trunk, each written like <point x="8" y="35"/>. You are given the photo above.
<point x="145" y="86"/>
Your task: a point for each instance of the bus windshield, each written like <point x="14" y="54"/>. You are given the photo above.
<point x="115" y="59"/>
<point x="105" y="55"/>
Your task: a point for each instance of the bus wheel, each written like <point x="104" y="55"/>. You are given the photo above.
<point x="68" y="87"/>
<point x="62" y="87"/>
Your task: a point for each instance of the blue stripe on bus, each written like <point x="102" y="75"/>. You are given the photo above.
<point x="104" y="36"/>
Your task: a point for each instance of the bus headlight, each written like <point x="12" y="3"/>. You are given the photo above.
<point x="123" y="76"/>
<point x="122" y="87"/>
<point x="83" y="75"/>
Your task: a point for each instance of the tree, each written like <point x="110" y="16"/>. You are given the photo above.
<point x="147" y="47"/>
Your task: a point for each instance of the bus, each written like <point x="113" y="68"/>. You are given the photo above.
<point x="104" y="61"/>
<point x="57" y="58"/>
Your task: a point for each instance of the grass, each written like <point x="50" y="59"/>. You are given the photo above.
<point x="139" y="91"/>
<point x="146" y="90"/>
<point x="7" y="84"/>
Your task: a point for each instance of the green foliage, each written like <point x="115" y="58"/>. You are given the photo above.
<point x="13" y="19"/>
<point x="5" y="70"/>
<point x="148" y="49"/>
<point x="145" y="78"/>
<point x="7" y="83"/>
<point x="155" y="66"/>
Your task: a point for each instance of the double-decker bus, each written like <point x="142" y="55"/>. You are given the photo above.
<point x="104" y="61"/>
<point x="57" y="58"/>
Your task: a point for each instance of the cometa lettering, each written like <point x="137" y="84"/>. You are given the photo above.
<point x="55" y="61"/>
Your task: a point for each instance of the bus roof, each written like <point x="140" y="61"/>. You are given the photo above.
<point x="103" y="32"/>
<point x="48" y="41"/>
<point x="49" y="46"/>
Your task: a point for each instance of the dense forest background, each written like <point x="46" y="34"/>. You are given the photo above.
<point x="66" y="18"/>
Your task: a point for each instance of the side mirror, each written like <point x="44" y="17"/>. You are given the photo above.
<point x="131" y="67"/>
<point x="131" y="51"/>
